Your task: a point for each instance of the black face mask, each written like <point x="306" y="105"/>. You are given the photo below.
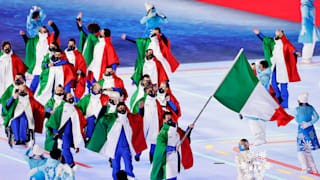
<point x="171" y="123"/>
<point x="123" y="111"/>
<point x="23" y="94"/>
<point x="148" y="83"/>
<point x="71" y="48"/>
<point x="54" y="59"/>
<point x="7" y="50"/>
<point x="152" y="94"/>
<point x="71" y="100"/>
<point x="96" y="93"/>
<point x="150" y="56"/>
<point x="108" y="74"/>
<point x="52" y="49"/>
<point x="59" y="94"/>
<point x="161" y="90"/>
<point x="111" y="101"/>
<point x="18" y="82"/>
<point x="277" y="38"/>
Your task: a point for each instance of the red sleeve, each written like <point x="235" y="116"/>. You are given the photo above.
<point x="160" y="114"/>
<point x="80" y="62"/>
<point x="138" y="140"/>
<point x="119" y="84"/>
<point x="17" y="65"/>
<point x="51" y="39"/>
<point x="69" y="73"/>
<point x="83" y="121"/>
<point x="104" y="98"/>
<point x="186" y="152"/>
<point x="175" y="101"/>
<point x="30" y="92"/>
<point x="162" y="75"/>
<point x="38" y="114"/>
<point x="291" y="60"/>
<point x="109" y="57"/>
<point x="166" y="52"/>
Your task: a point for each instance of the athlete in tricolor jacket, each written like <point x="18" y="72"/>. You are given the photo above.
<point x="282" y="57"/>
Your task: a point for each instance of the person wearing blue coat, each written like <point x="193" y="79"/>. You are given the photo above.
<point x="264" y="73"/>
<point x="36" y="160"/>
<point x="307" y="140"/>
<point x="35" y="21"/>
<point x="258" y="125"/>
<point x="309" y="33"/>
<point x="152" y="19"/>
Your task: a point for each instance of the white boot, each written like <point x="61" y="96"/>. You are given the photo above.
<point x="303" y="161"/>
<point x="310" y="163"/>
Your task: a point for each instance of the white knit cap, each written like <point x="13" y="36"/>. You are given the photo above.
<point x="148" y="6"/>
<point x="303" y="98"/>
<point x="37" y="150"/>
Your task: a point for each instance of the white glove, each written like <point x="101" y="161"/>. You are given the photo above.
<point x="31" y="143"/>
<point x="305" y="125"/>
<point x="303" y="30"/>
<point x="59" y="144"/>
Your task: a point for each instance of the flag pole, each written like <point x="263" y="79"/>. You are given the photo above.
<point x="209" y="99"/>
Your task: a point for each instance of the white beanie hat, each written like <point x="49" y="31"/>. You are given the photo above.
<point x="148" y="6"/>
<point x="303" y="98"/>
<point x="37" y="150"/>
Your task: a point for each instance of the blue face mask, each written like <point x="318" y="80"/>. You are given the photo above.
<point x="242" y="148"/>
<point x="153" y="10"/>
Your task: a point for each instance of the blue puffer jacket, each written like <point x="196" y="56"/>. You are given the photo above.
<point x="152" y="20"/>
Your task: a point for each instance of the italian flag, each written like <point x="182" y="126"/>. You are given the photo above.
<point x="242" y="92"/>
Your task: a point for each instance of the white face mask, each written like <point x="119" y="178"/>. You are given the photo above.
<point x="57" y="98"/>
<point x="96" y="95"/>
<point x="42" y="35"/>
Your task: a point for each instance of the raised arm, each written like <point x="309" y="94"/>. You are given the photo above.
<point x="55" y="29"/>
<point x="24" y="36"/>
<point x="258" y="33"/>
<point x="128" y="38"/>
<point x="79" y="24"/>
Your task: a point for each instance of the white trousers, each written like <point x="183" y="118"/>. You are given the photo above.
<point x="307" y="162"/>
<point x="307" y="52"/>
<point x="308" y="49"/>
<point x="258" y="129"/>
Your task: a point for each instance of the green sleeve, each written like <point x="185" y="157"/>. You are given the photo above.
<point x="50" y="103"/>
<point x="5" y="97"/>
<point x="45" y="60"/>
<point x="142" y="46"/>
<point x="82" y="41"/>
<point x="83" y="104"/>
<point x="100" y="133"/>
<point x="10" y="112"/>
<point x="135" y="108"/>
<point x="268" y="45"/>
<point x="92" y="40"/>
<point x="159" y="157"/>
